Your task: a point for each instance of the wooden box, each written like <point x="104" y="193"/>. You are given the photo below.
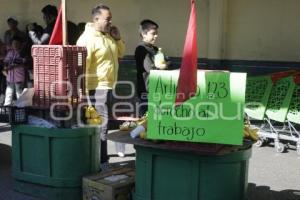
<point x="114" y="184"/>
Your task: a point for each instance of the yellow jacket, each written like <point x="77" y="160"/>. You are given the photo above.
<point x="102" y="62"/>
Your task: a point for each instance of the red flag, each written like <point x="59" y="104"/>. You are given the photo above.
<point x="187" y="82"/>
<point x="56" y="36"/>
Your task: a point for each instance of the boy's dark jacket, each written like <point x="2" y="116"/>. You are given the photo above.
<point x="144" y="57"/>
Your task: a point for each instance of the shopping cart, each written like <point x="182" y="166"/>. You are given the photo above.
<point x="267" y="101"/>
<point x="293" y="116"/>
<point x="258" y="90"/>
<point x="276" y="114"/>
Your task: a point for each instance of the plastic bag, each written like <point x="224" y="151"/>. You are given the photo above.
<point x="37" y="121"/>
<point x="25" y="98"/>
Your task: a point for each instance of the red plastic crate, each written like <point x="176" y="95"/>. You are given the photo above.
<point x="279" y="75"/>
<point x="56" y="69"/>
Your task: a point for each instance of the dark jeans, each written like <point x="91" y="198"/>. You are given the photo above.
<point x="143" y="104"/>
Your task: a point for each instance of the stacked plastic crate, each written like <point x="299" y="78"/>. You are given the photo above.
<point x="13" y="115"/>
<point x="58" y="78"/>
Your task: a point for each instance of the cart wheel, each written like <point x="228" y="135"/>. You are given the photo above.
<point x="279" y="147"/>
<point x="259" y="143"/>
<point x="289" y="145"/>
<point x="298" y="149"/>
<point x="267" y="141"/>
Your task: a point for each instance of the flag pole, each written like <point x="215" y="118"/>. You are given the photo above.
<point x="64" y="22"/>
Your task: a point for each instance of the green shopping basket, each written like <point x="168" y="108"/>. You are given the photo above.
<point x="294" y="109"/>
<point x="280" y="99"/>
<point x="277" y="109"/>
<point x="258" y="90"/>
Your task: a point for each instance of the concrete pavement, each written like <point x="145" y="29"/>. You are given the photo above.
<point x="272" y="176"/>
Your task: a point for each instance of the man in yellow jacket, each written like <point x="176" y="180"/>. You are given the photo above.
<point x="104" y="48"/>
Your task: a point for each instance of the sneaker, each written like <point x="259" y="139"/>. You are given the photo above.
<point x="121" y="154"/>
<point x="120" y="149"/>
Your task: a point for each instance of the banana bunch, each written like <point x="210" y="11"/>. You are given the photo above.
<point x="143" y="122"/>
<point x="92" y="116"/>
<point x="143" y="135"/>
<point x="130" y="125"/>
<point x="127" y="126"/>
<point x="250" y="133"/>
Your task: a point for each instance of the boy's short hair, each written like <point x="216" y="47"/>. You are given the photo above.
<point x="97" y="10"/>
<point x="147" y="25"/>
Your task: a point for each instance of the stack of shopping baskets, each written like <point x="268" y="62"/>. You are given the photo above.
<point x="273" y="106"/>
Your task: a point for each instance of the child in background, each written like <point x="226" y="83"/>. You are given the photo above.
<point x="145" y="55"/>
<point x="2" y="77"/>
<point x="15" y="68"/>
<point x="2" y="51"/>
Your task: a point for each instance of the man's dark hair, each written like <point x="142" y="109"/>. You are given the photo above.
<point x="97" y="10"/>
<point x="147" y="25"/>
<point x="12" y="20"/>
<point x="50" y="10"/>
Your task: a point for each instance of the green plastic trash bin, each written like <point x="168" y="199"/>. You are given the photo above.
<point x="50" y="163"/>
<point x="166" y="174"/>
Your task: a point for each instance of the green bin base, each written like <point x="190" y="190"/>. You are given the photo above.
<point x="54" y="157"/>
<point x="46" y="192"/>
<point x="166" y="174"/>
<point x="50" y="163"/>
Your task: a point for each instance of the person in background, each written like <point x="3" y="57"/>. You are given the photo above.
<point x="35" y="27"/>
<point x="15" y="71"/>
<point x="49" y="16"/>
<point x="144" y="57"/>
<point x="26" y="52"/>
<point x="80" y="27"/>
<point x="104" y="48"/>
<point x="73" y="34"/>
<point x="2" y="51"/>
<point x="12" y="31"/>
<point x="2" y="77"/>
